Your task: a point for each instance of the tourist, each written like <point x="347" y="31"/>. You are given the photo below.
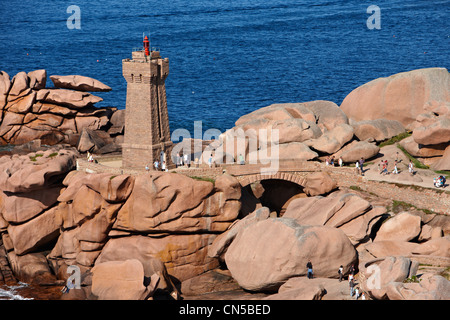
<point x="186" y="159"/>
<point x="411" y="167"/>
<point x="352" y="270"/>
<point x="327" y="161"/>
<point x="439" y="182"/>
<point x="147" y="168"/>
<point x="363" y="296"/>
<point x="341" y="162"/>
<point x="210" y="161"/>
<point x="177" y="160"/>
<point x="356" y="293"/>
<point x="310" y="269"/>
<point x="385" y="166"/>
<point x="395" y="168"/>
<point x="91" y="158"/>
<point x="357" y="167"/>
<point x="352" y="287"/>
<point x="332" y="161"/>
<point x="163" y="166"/>
<point x="350" y="278"/>
<point x="341" y="273"/>
<point x="241" y="159"/>
<point x="156" y="165"/>
<point x="361" y="166"/>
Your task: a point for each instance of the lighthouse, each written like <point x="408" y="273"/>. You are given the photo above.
<point x="147" y="131"/>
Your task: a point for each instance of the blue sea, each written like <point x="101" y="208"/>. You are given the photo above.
<point x="228" y="57"/>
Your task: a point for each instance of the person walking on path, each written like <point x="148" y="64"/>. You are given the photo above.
<point x="341" y="273"/>
<point x="352" y="287"/>
<point x="358" y="171"/>
<point x="361" y="166"/>
<point x="310" y="269"/>
<point x="395" y="168"/>
<point x="411" y="167"/>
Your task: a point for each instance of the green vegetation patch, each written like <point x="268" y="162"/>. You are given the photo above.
<point x="52" y="155"/>
<point x="416" y="162"/>
<point x="204" y="179"/>
<point x="399" y="206"/>
<point x="34" y="158"/>
<point x="395" y="139"/>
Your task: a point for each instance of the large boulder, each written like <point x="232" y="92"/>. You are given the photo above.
<point x="332" y="140"/>
<point x="377" y="130"/>
<point x="429" y="287"/>
<point x="35" y="233"/>
<point x="283" y="111"/>
<point x="423" y="151"/>
<point x="266" y="254"/>
<point x="402" y="227"/>
<point x="434" y="247"/>
<point x="169" y="202"/>
<point x="379" y="273"/>
<point x="319" y="183"/>
<point x="80" y="83"/>
<point x="71" y="99"/>
<point x="220" y="245"/>
<point x="444" y="162"/>
<point x="328" y="114"/>
<point x="36" y="170"/>
<point x="119" y="280"/>
<point x="184" y="255"/>
<point x="400" y="97"/>
<point x="435" y="133"/>
<point x="350" y="213"/>
<point x="296" y="151"/>
<point x="300" y="288"/>
<point x="385" y="248"/>
<point x="5" y="84"/>
<point x="37" y="79"/>
<point x="356" y="150"/>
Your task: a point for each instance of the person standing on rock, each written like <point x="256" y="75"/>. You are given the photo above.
<point x="341" y="162"/>
<point x="341" y="273"/>
<point x="310" y="269"/>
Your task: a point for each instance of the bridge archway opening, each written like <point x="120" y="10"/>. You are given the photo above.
<point x="276" y="194"/>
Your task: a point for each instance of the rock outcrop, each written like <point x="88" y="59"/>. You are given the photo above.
<point x="30" y="111"/>
<point x="401" y="97"/>
<point x="348" y="212"/>
<point x="251" y="256"/>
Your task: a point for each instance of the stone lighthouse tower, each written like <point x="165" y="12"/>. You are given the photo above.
<point x="147" y="131"/>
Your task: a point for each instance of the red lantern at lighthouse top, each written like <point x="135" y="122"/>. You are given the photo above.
<point x="146" y="46"/>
